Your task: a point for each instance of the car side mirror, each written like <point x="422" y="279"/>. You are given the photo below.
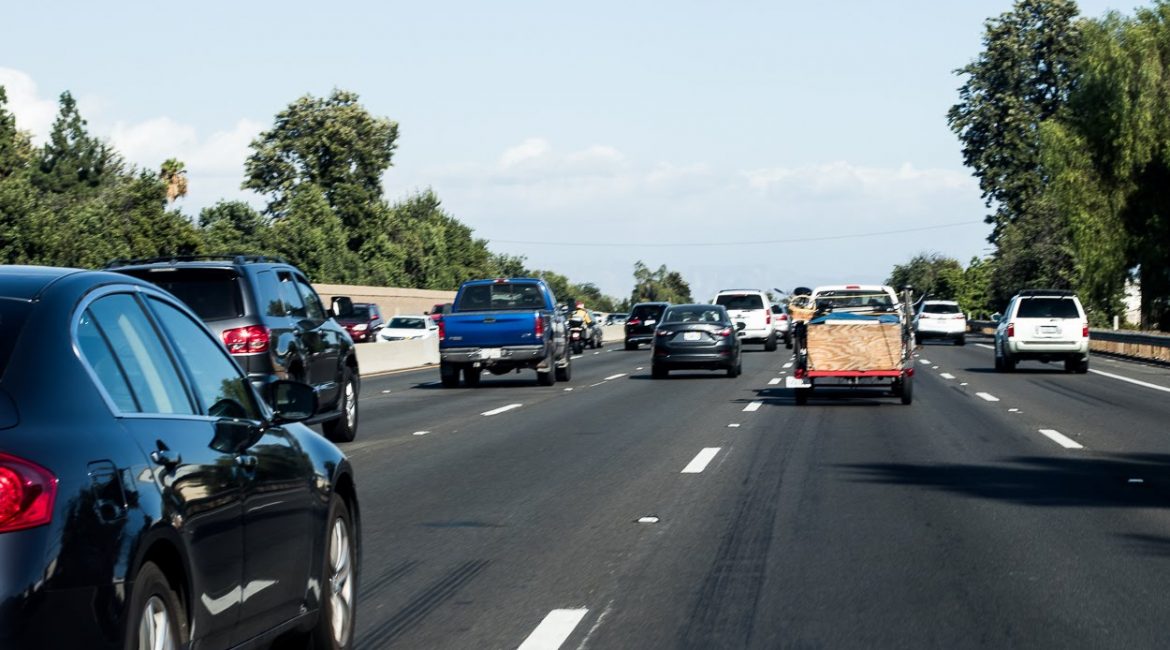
<point x="342" y="307"/>
<point x="292" y="401"/>
<point x="996" y="316"/>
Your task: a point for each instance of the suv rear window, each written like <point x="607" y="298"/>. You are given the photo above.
<point x="1047" y="308"/>
<point x="213" y="294"/>
<point x="12" y="316"/>
<point x="647" y="311"/>
<point x="500" y="296"/>
<point x="940" y="309"/>
<point x="740" y="301"/>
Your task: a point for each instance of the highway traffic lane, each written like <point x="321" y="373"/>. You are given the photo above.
<point x="1100" y="412"/>
<point x="533" y="509"/>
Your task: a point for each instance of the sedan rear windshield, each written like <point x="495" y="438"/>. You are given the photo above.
<point x="407" y="324"/>
<point x="213" y="294"/>
<point x="940" y="309"/>
<point x="1047" y="308"/>
<point x="644" y="312"/>
<point x="500" y="296"/>
<point x="694" y="315"/>
<point x="740" y="301"/>
<point x="12" y="316"/>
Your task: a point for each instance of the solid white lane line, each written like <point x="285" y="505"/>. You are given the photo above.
<point x="988" y="396"/>
<point x="1061" y="439"/>
<point x="984" y="345"/>
<point x="700" y="462"/>
<point x="754" y="406"/>
<point x="787" y="365"/>
<point x="502" y="409"/>
<point x="421" y="433"/>
<point x="611" y="377"/>
<point x="1137" y="382"/>
<point x="773" y="381"/>
<point x="554" y="629"/>
<point x="947" y="375"/>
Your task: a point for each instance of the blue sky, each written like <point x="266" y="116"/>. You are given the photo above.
<point x="621" y="125"/>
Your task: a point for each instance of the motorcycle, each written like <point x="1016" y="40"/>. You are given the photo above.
<point x="577" y="335"/>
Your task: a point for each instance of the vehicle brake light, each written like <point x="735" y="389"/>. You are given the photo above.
<point x="246" y="340"/>
<point x="767" y="318"/>
<point x="1084" y="331"/>
<point x="538" y="327"/>
<point x="725" y="332"/>
<point x="1011" y="330"/>
<point x="442" y="330"/>
<point x="853" y="286"/>
<point x="664" y="332"/>
<point x="27" y="493"/>
<point x="798" y="373"/>
<point x="634" y="321"/>
<point x="782" y="317"/>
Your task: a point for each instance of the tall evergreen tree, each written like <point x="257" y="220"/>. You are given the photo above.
<point x="72" y="159"/>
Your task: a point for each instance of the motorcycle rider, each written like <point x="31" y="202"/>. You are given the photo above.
<point x="583" y="314"/>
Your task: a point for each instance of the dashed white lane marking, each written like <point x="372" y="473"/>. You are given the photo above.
<point x="925" y="362"/>
<point x="612" y="377"/>
<point x="639" y="368"/>
<point x="596" y="385"/>
<point x="577" y="356"/>
<point x="1137" y="382"/>
<point x="596" y="353"/>
<point x="787" y="365"/>
<point x="947" y="375"/>
<point x="700" y="462"/>
<point x="963" y="384"/>
<point x="733" y="425"/>
<point x="754" y="406"/>
<point x="984" y="345"/>
<point x="554" y="629"/>
<point x="988" y="396"/>
<point x="568" y="390"/>
<point x="502" y="409"/>
<point x="385" y="392"/>
<point x="773" y="381"/>
<point x="420" y="433"/>
<point x="1061" y="439"/>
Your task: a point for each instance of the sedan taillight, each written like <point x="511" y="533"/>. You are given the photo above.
<point x="247" y="340"/>
<point x="664" y="332"/>
<point x="27" y="493"/>
<point x="725" y="332"/>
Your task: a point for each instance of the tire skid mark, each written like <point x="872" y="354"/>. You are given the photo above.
<point x="384" y="633"/>
<point x="394" y="574"/>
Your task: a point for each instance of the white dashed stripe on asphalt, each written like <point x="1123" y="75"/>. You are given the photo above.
<point x="984" y="345"/>
<point x="1061" y="439"/>
<point x="924" y="362"/>
<point x="788" y="365"/>
<point x="947" y="375"/>
<point x="754" y="406"/>
<point x="554" y="629"/>
<point x="502" y="409"/>
<point x="575" y="357"/>
<point x="611" y="377"/>
<point x="988" y="396"/>
<point x="700" y="462"/>
<point x="421" y="433"/>
<point x="773" y="381"/>
<point x="1136" y="382"/>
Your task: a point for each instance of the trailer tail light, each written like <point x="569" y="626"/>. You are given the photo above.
<point x="798" y="373"/>
<point x="538" y="326"/>
<point x="27" y="493"/>
<point x="1011" y="330"/>
<point x="252" y="339"/>
<point x="782" y="317"/>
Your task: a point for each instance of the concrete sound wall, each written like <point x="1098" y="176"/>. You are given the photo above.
<point x="392" y="300"/>
<point x="380" y="357"/>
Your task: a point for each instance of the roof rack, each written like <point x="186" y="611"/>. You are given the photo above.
<point x="235" y="258"/>
<point x="1046" y="292"/>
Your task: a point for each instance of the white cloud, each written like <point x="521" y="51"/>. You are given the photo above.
<point x="530" y="150"/>
<point x="840" y="179"/>
<point x="33" y="113"/>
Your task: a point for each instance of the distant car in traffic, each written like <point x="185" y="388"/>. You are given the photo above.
<point x="752" y="308"/>
<point x="782" y="323"/>
<point x="363" y="322"/>
<point x="401" y="328"/>
<point x="696" y="337"/>
<point x="615" y="319"/>
<point x="940" y="319"/>
<point x="149" y="498"/>
<point x="1043" y="325"/>
<point x="642" y="322"/>
<point x="439" y="310"/>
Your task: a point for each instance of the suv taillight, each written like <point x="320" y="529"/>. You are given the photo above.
<point x="725" y="332"/>
<point x="27" y="493"/>
<point x="1084" y="331"/>
<point x="767" y="318"/>
<point x="634" y="322"/>
<point x="1011" y="330"/>
<point x="252" y="339"/>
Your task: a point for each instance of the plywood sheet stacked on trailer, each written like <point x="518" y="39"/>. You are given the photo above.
<point x="835" y="346"/>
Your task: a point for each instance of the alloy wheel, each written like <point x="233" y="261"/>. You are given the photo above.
<point x="154" y="628"/>
<point x="340" y="582"/>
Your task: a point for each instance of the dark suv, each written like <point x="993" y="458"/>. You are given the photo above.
<point x="364" y="322"/>
<point x="272" y="321"/>
<point x="642" y="322"/>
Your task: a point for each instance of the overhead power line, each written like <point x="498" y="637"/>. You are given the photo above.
<point x="755" y="242"/>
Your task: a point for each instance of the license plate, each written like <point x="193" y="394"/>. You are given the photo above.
<point x="490" y="353"/>
<point x="1048" y="330"/>
<point x="651" y="322"/>
<point x="691" y="336"/>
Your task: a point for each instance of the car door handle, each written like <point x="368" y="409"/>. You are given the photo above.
<point x="166" y="458"/>
<point x="247" y="461"/>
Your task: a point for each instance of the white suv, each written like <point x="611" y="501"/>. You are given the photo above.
<point x="752" y="308"/>
<point x="1044" y="325"/>
<point x="940" y="319"/>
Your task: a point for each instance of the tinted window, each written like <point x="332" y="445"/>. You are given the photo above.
<point x="213" y="294"/>
<point x="501" y="296"/>
<point x="293" y="305"/>
<point x="12" y="316"/>
<point x="940" y="309"/>
<point x="407" y="323"/>
<point x="313" y="308"/>
<point x="693" y="315"/>
<point x="740" y="301"/>
<point x="853" y="298"/>
<point x="361" y="312"/>
<point x="139" y="353"/>
<point x="647" y="311"/>
<point x="269" y="294"/>
<point x="96" y="351"/>
<point x="220" y="386"/>
<point x="1047" y="308"/>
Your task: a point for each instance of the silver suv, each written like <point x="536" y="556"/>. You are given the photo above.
<point x="1043" y="325"/>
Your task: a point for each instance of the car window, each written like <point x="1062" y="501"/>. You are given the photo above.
<point x="647" y="311"/>
<point x="12" y="316"/>
<point x="362" y="312"/>
<point x="222" y="389"/>
<point x="213" y="294"/>
<point x="501" y="296"/>
<point x="407" y="323"/>
<point x="1047" y="308"/>
<point x="313" y="309"/>
<point x="740" y="301"/>
<point x="940" y="309"/>
<point x="693" y="315"/>
<point x="97" y="353"/>
<point x="837" y="299"/>
<point x="293" y="304"/>
<point x="139" y="354"/>
<point x="269" y="298"/>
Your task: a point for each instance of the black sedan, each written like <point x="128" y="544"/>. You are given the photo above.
<point x="148" y="497"/>
<point x="695" y="337"/>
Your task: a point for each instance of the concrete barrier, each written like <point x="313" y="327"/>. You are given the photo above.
<point x="380" y="357"/>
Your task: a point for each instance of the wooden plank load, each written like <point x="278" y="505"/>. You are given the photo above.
<point x="854" y="345"/>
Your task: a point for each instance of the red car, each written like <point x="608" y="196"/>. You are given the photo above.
<point x="365" y="322"/>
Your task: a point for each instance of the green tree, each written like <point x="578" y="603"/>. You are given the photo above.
<point x="311" y="236"/>
<point x="72" y="159"/>
<point x="659" y="285"/>
<point x="234" y="227"/>
<point x="174" y="175"/>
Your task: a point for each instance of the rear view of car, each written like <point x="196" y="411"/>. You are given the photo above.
<point x="699" y="337"/>
<point x="940" y="319"/>
<point x="752" y="308"/>
<point x="363" y="322"/>
<point x="1043" y="325"/>
<point x="403" y="328"/>
<point x="642" y="322"/>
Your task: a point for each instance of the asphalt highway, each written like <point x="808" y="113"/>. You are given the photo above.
<point x="617" y="511"/>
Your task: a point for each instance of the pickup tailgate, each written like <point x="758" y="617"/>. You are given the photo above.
<point x="491" y="329"/>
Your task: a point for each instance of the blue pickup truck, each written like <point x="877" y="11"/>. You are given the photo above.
<point x="503" y="325"/>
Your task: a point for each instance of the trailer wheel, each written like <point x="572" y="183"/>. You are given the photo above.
<point x="907" y="389"/>
<point x="802" y="396"/>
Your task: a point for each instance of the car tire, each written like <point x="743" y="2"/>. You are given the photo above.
<point x="907" y="392"/>
<point x="770" y="343"/>
<point x="449" y="375"/>
<point x="155" y="610"/>
<point x="962" y="340"/>
<point x="344" y="427"/>
<point x="631" y="346"/>
<point x="1079" y="366"/>
<point x="1009" y="364"/>
<point x="788" y="342"/>
<point x="735" y="371"/>
<point x="471" y="376"/>
<point x="565" y="373"/>
<point x="658" y="372"/>
<point x="802" y="396"/>
<point x="917" y="339"/>
<point x="547" y="378"/>
<point x="336" y="620"/>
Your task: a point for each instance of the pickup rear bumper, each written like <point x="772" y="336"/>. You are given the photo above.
<point x="512" y="355"/>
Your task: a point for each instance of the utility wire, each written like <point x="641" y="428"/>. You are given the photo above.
<point x="734" y="243"/>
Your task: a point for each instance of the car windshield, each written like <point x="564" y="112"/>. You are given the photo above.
<point x="940" y="308"/>
<point x="740" y="301"/>
<point x="647" y="312"/>
<point x="696" y="314"/>
<point x="407" y="323"/>
<point x="1047" y="308"/>
<point x="500" y="296"/>
<point x="853" y="299"/>
<point x="12" y="316"/>
<point x="213" y="294"/>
